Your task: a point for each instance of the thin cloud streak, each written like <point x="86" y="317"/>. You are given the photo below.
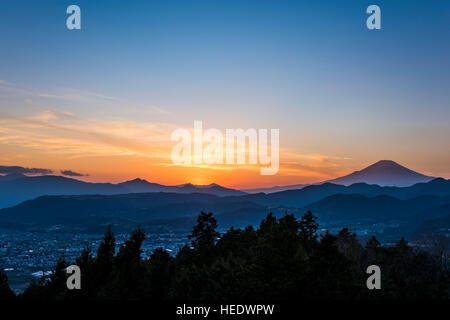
<point x="22" y="170"/>
<point x="71" y="173"/>
<point x="82" y="97"/>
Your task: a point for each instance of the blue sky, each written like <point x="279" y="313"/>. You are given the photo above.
<point x="310" y="68"/>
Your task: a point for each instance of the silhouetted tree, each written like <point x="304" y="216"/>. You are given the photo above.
<point x="332" y="276"/>
<point x="104" y="261"/>
<point x="5" y="291"/>
<point x="160" y="272"/>
<point x="106" y="250"/>
<point x="57" y="287"/>
<point x="279" y="259"/>
<point x="348" y="245"/>
<point x="128" y="272"/>
<point x="237" y="242"/>
<point x="204" y="236"/>
<point x="308" y="227"/>
<point x="284" y="259"/>
<point x="89" y="280"/>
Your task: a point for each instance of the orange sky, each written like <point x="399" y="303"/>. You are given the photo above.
<point x="36" y="131"/>
<point x="118" y="150"/>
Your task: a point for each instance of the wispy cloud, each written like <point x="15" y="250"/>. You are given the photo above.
<point x="63" y="133"/>
<point x="22" y="170"/>
<point x="71" y="173"/>
<point x="78" y="97"/>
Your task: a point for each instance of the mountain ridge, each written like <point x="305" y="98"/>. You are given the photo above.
<point x="24" y="188"/>
<point x="384" y="173"/>
<point x="330" y="201"/>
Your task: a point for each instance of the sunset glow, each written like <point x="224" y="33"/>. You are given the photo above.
<point x="66" y="103"/>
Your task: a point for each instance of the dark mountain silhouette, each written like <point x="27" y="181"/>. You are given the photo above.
<point x="286" y="199"/>
<point x="124" y="208"/>
<point x="358" y="207"/>
<point x="14" y="191"/>
<point x="404" y="216"/>
<point x="67" y="201"/>
<point x="25" y="188"/>
<point x="276" y="188"/>
<point x="359" y="202"/>
<point x="11" y="176"/>
<point x="17" y="188"/>
<point x="212" y="188"/>
<point x="313" y="193"/>
<point x="384" y="173"/>
<point x="139" y="185"/>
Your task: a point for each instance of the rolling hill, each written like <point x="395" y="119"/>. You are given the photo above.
<point x="110" y="209"/>
<point x="328" y="201"/>
<point x="358" y="207"/>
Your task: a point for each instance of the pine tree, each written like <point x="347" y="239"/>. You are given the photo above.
<point x="5" y="291"/>
<point x="308" y="229"/>
<point x="129" y="270"/>
<point x="88" y="280"/>
<point x="204" y="236"/>
<point x="103" y="264"/>
<point x="57" y="283"/>
<point x="159" y="270"/>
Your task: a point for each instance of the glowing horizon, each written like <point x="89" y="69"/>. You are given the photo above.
<point x="104" y="100"/>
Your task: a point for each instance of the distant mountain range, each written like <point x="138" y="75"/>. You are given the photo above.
<point x="409" y="206"/>
<point x="15" y="188"/>
<point x="312" y="193"/>
<point x="18" y="188"/>
<point x="48" y="201"/>
<point x="12" y="176"/>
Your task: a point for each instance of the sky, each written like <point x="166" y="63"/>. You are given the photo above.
<point x="103" y="101"/>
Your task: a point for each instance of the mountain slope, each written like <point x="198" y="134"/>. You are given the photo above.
<point x="358" y="207"/>
<point x="313" y="193"/>
<point x="139" y="185"/>
<point x="209" y="189"/>
<point x="105" y="209"/>
<point x="276" y="188"/>
<point x="384" y="173"/>
<point x="180" y="210"/>
<point x="16" y="191"/>
<point x="11" y="176"/>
